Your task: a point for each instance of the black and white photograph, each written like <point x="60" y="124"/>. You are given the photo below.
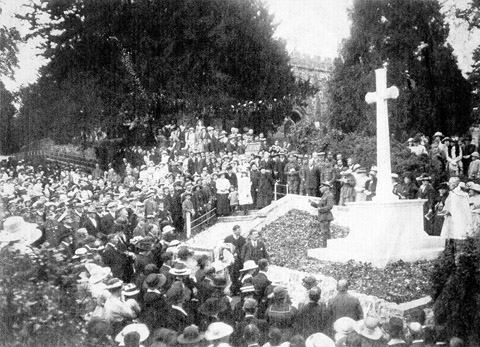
<point x="239" y="173"/>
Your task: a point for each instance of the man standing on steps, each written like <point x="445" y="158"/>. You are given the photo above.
<point x="324" y="207"/>
<point x="238" y="241"/>
<point x="254" y="249"/>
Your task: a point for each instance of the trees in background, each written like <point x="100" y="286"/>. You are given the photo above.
<point x="410" y="37"/>
<point x="9" y="38"/>
<point x="147" y="63"/>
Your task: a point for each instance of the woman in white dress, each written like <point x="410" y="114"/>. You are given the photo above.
<point x="244" y="191"/>
<point x="458" y="217"/>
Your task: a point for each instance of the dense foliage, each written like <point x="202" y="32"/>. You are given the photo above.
<point x="130" y="66"/>
<point x="7" y="111"/>
<point x="9" y="37"/>
<point x="398" y="282"/>
<point x="362" y="148"/>
<point x="455" y="289"/>
<point x="410" y="37"/>
<point x="38" y="300"/>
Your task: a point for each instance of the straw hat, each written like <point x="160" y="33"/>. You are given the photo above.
<point x="218" y="330"/>
<point x="249" y="265"/>
<point x="141" y="329"/>
<point x="369" y="328"/>
<point x="319" y="340"/>
<point x="247" y="289"/>
<point x="130" y="289"/>
<point x="180" y="270"/>
<point x="168" y="228"/>
<point x="16" y="229"/>
<point x="114" y="283"/>
<point x="191" y="334"/>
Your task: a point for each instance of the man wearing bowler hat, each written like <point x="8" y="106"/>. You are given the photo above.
<point x="324" y="207"/>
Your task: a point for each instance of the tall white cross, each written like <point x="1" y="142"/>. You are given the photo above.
<point x="384" y="174"/>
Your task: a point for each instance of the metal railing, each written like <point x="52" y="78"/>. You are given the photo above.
<point x="58" y="157"/>
<point x="278" y="194"/>
<point x="199" y="221"/>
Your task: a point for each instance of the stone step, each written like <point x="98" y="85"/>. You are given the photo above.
<point x="237" y="218"/>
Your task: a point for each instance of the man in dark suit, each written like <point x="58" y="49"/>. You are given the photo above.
<point x="107" y="223"/>
<point x="155" y="306"/>
<point x="261" y="283"/>
<point x="344" y="304"/>
<point x="254" y="248"/>
<point x="313" y="318"/>
<point x="119" y="261"/>
<point x="237" y="240"/>
<point x="250" y="308"/>
<point x="312" y="178"/>
<point x="91" y="223"/>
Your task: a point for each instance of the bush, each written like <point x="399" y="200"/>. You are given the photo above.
<point x="38" y="305"/>
<point x="456" y="290"/>
<point x="362" y="148"/>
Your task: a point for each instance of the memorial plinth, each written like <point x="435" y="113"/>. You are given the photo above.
<point x="381" y="233"/>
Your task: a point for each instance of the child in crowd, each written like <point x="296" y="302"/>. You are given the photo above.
<point x="233" y="197"/>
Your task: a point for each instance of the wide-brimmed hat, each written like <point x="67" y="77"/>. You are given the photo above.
<point x="80" y="252"/>
<point x="130" y="289"/>
<point x="218" y="330"/>
<point x="114" y="283"/>
<point x="279" y="292"/>
<point x="212" y="307"/>
<point x="16" y="229"/>
<point x="168" y="228"/>
<point x="438" y="133"/>
<point x="475" y="187"/>
<point x="319" y="340"/>
<point x="180" y="269"/>
<point x="139" y="328"/>
<point x="219" y="281"/>
<point x="475" y="154"/>
<point x="155" y="280"/>
<point x="191" y="334"/>
<point x="369" y="328"/>
<point x="344" y="325"/>
<point x="98" y="274"/>
<point x="446" y="139"/>
<point x="183" y="251"/>
<point x="249" y="265"/>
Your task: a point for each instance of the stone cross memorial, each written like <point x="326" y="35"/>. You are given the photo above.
<point x="384" y="173"/>
<point x="386" y="229"/>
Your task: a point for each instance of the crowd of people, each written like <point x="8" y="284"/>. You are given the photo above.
<point x="124" y="225"/>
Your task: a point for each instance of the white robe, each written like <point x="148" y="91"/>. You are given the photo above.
<point x="457" y="225"/>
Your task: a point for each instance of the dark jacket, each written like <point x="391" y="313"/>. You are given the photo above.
<point x="154" y="310"/>
<point x="324" y="207"/>
<point x="254" y="253"/>
<point x="344" y="305"/>
<point x="311" y="319"/>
